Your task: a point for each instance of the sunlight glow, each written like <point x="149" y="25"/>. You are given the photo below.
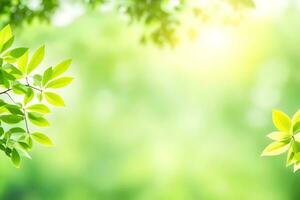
<point x="215" y="38"/>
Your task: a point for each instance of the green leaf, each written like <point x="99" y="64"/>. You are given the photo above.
<point x="54" y="99"/>
<point x="13" y="109"/>
<point x="276" y="148"/>
<point x="297" y="137"/>
<point x="5" y="34"/>
<point x="39" y="108"/>
<point x="9" y="68"/>
<point x="29" y="142"/>
<point x="60" y="82"/>
<point x="28" y="96"/>
<point x="7" y="44"/>
<point x="290" y="157"/>
<point x="47" y="75"/>
<point x="17" y="52"/>
<point x="42" y="139"/>
<point x="296" y="117"/>
<point x="24" y="145"/>
<point x="15" y="158"/>
<point x="61" y="68"/>
<point x="22" y="62"/>
<point x="37" y="80"/>
<point x="17" y="130"/>
<point x="11" y="119"/>
<point x="36" y="59"/>
<point x="1" y="131"/>
<point x="281" y="121"/>
<point x="296" y="127"/>
<point x="19" y="89"/>
<point x="40" y="96"/>
<point x="23" y="151"/>
<point x="279" y="136"/>
<point x="296" y="147"/>
<point x="296" y="166"/>
<point x="37" y="119"/>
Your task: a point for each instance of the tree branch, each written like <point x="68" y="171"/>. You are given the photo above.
<point x="5" y="91"/>
<point x="35" y="88"/>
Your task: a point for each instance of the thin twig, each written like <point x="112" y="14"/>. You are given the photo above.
<point x="10" y="98"/>
<point x="34" y="87"/>
<point x="26" y="122"/>
<point x="5" y="91"/>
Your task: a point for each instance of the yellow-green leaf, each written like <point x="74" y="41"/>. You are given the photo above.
<point x="60" y="82"/>
<point x="37" y="119"/>
<point x="296" y="117"/>
<point x="39" y="108"/>
<point x="279" y="136"/>
<point x="276" y="148"/>
<point x="290" y="157"/>
<point x="281" y="121"/>
<point x="54" y="99"/>
<point x="61" y="68"/>
<point x="297" y="137"/>
<point x="36" y="59"/>
<point x="42" y="139"/>
<point x="22" y="62"/>
<point x="5" y="34"/>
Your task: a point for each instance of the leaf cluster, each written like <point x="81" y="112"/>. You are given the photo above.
<point x="286" y="138"/>
<point x="25" y="96"/>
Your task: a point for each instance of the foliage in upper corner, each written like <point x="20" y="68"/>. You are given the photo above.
<point x="286" y="138"/>
<point x="24" y="96"/>
<point x="161" y="18"/>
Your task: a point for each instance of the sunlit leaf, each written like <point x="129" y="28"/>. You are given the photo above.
<point x="296" y="127"/>
<point x="42" y="139"/>
<point x="7" y="44"/>
<point x="297" y="137"/>
<point x="278" y="136"/>
<point x="61" y="68"/>
<point x="60" y="82"/>
<point x="47" y="75"/>
<point x="276" y="148"/>
<point x="54" y="99"/>
<point x="22" y="62"/>
<point x="36" y="59"/>
<point x="39" y="108"/>
<point x="37" y="119"/>
<point x="281" y="121"/>
<point x="5" y="34"/>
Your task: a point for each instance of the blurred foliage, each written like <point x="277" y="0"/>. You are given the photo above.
<point x="17" y="12"/>
<point x="161" y="18"/>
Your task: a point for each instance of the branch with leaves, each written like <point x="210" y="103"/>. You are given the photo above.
<point x="286" y="138"/>
<point x="24" y="96"/>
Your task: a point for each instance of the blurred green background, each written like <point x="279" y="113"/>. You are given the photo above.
<point x="147" y="123"/>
